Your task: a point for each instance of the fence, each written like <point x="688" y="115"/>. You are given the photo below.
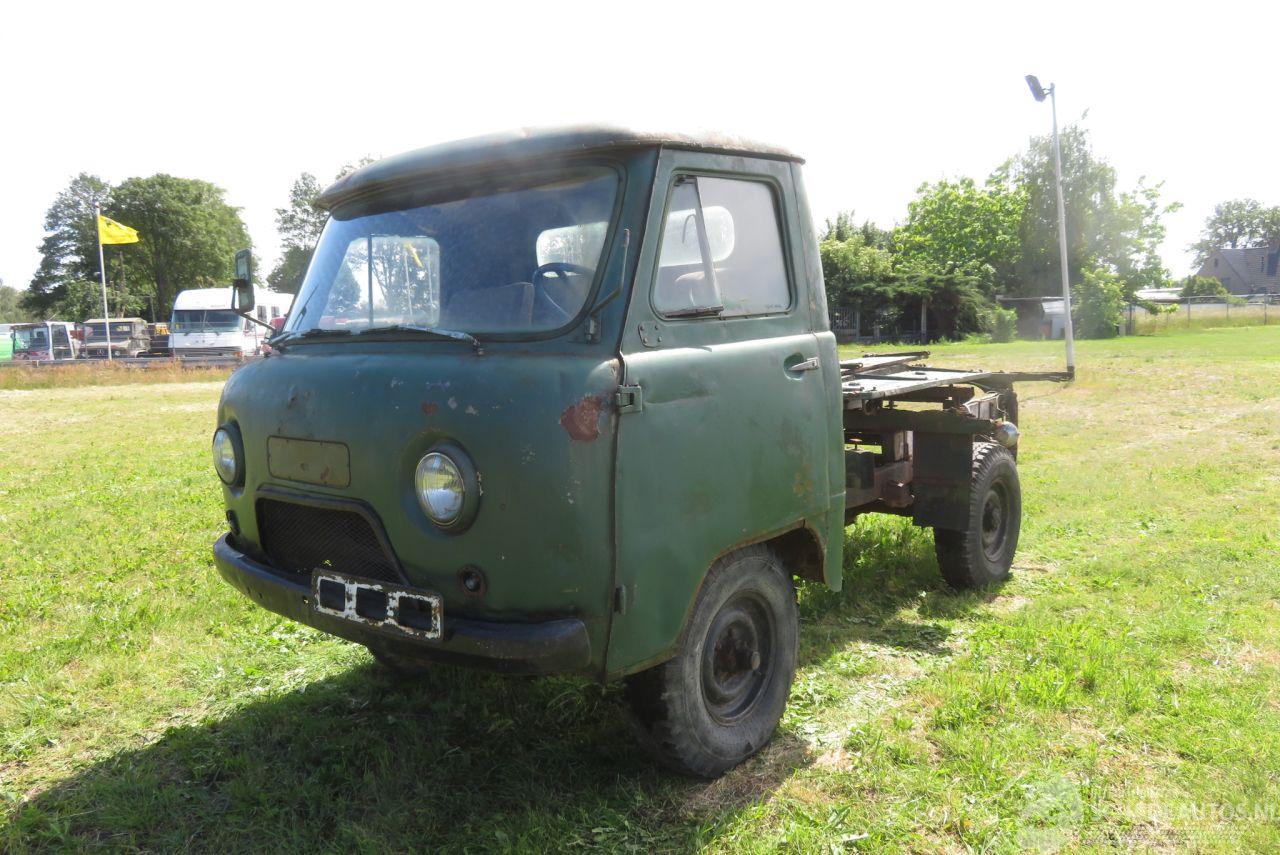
<point x="851" y="326"/>
<point x="1202" y="312"/>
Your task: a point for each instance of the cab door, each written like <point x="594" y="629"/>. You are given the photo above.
<point x="62" y="347"/>
<point x="722" y="431"/>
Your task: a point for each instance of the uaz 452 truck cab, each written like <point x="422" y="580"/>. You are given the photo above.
<point x="568" y="401"/>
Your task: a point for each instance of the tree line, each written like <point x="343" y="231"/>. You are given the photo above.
<point x="964" y="242"/>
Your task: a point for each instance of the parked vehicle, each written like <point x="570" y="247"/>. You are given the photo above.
<point x="44" y="341"/>
<point x="569" y="402"/>
<point x="159" y="332"/>
<point x="204" y="324"/>
<point x="6" y="343"/>
<point x="130" y="337"/>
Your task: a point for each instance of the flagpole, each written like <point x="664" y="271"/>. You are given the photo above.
<point x="102" y="271"/>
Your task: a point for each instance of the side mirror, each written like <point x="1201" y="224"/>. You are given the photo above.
<point x="242" y="297"/>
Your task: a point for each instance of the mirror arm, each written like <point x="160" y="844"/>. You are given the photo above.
<point x="249" y="317"/>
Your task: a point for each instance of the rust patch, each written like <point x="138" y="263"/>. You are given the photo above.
<point x="582" y="420"/>
<point x="429" y="408"/>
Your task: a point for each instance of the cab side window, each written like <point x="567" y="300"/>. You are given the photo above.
<point x="721" y="252"/>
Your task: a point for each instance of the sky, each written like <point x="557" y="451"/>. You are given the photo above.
<point x="878" y="98"/>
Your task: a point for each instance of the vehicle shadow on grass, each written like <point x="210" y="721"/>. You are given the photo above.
<point x="460" y="760"/>
<point x="893" y="595"/>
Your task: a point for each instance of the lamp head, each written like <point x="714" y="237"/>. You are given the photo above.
<point x="1037" y="91"/>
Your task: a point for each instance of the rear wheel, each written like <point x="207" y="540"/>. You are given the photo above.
<point x="982" y="554"/>
<point x="719" y="700"/>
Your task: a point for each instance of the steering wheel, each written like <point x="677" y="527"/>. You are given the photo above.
<point x="561" y="269"/>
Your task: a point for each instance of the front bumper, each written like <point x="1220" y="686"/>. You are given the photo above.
<point x="547" y="647"/>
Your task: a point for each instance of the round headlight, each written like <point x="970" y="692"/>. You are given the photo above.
<point x="225" y="456"/>
<point x="440" y="488"/>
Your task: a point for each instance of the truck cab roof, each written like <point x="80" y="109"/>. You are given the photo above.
<point x="511" y="148"/>
<point x="220" y="298"/>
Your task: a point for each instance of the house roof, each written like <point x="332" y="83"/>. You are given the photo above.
<point x="1254" y="267"/>
<point x="523" y="144"/>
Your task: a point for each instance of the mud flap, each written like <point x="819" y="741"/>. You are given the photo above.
<point x="941" y="478"/>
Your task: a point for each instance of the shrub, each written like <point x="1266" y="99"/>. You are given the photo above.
<point x="1202" y="286"/>
<point x="999" y="323"/>
<point x="1098" y="304"/>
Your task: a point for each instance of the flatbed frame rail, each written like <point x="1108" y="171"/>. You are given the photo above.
<point x="891" y="375"/>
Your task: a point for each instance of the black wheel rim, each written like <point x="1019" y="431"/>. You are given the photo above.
<point x="737" y="659"/>
<point x="995" y="520"/>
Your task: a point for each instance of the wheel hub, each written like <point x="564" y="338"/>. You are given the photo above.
<point x="995" y="521"/>
<point x="736" y="658"/>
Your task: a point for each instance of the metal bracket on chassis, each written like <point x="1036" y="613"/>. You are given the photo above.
<point x="378" y="605"/>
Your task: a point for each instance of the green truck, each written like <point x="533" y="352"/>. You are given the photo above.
<point x="568" y="401"/>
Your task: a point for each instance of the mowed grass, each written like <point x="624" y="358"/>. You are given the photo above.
<point x="1121" y="692"/>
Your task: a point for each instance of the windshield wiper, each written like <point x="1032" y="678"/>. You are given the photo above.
<point x="315" y="332"/>
<point x="456" y="335"/>
<point x="696" y="312"/>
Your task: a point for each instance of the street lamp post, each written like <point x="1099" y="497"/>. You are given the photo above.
<point x="1039" y="93"/>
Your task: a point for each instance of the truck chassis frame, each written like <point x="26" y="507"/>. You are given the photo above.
<point x="917" y="461"/>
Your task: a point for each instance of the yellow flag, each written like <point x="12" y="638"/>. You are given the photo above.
<point x="109" y="231"/>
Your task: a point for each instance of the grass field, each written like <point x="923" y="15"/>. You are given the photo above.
<point x="1121" y="692"/>
<point x="62" y="375"/>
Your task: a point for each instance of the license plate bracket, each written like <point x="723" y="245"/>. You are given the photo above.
<point x="380" y="605"/>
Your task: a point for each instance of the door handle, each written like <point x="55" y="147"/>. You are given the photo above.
<point x="810" y="364"/>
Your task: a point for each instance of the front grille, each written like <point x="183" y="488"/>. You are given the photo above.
<point x="301" y="538"/>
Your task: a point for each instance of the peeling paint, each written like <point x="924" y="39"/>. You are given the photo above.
<point x="582" y="420"/>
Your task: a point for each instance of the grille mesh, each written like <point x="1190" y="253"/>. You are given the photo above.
<point x="299" y="539"/>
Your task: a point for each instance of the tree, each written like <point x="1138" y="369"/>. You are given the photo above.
<point x="300" y="224"/>
<point x="849" y="266"/>
<point x="1238" y="224"/>
<point x="82" y="299"/>
<point x="11" y="308"/>
<point x="957" y="227"/>
<point x="1106" y="228"/>
<point x="188" y="236"/>
<point x="69" y="251"/>
<point x="844" y="227"/>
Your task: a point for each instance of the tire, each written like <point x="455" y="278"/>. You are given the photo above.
<point x="401" y="665"/>
<point x="982" y="554"/>
<point x="719" y="700"/>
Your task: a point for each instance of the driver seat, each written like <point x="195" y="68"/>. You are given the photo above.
<point x="491" y="309"/>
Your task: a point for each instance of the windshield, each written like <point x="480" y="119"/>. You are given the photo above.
<point x="202" y="320"/>
<point x="30" y="338"/>
<point x="118" y="330"/>
<point x="504" y="261"/>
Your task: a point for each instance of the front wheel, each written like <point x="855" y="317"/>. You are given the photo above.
<point x="982" y="554"/>
<point x="719" y="700"/>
